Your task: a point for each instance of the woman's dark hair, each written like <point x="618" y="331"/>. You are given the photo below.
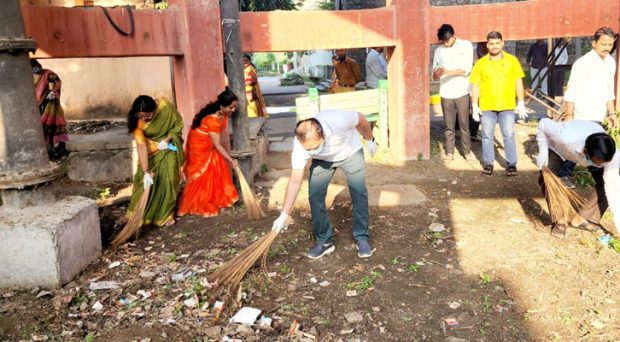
<point x="601" y="146"/>
<point x="142" y="103"/>
<point x="224" y="99"/>
<point x="445" y="32"/>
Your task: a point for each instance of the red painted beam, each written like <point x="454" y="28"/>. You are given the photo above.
<point x="308" y="30"/>
<point x="63" y="32"/>
<point x="527" y="19"/>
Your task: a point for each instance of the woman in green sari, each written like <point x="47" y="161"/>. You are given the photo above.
<point x="157" y="129"/>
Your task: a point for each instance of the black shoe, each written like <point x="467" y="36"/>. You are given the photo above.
<point x="321" y="249"/>
<point x="488" y="170"/>
<point x="511" y="171"/>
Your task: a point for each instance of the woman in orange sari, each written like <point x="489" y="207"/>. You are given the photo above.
<point x="254" y="96"/>
<point x="209" y="184"/>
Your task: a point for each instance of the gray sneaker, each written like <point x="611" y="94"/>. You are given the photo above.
<point x="364" y="250"/>
<point x="321" y="249"/>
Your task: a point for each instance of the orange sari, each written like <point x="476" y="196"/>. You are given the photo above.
<point x="209" y="182"/>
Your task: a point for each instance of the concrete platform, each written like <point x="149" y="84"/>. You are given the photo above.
<point x="47" y="246"/>
<point x="106" y="156"/>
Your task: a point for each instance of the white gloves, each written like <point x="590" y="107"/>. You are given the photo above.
<point x="147" y="180"/>
<point x="371" y="147"/>
<point x="281" y="222"/>
<point x="542" y="160"/>
<point x="476" y="113"/>
<point x="162" y="145"/>
<point x="520" y="110"/>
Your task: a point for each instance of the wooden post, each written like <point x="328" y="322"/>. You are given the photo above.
<point x="234" y="65"/>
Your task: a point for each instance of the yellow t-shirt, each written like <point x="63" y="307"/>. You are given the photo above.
<point x="496" y="79"/>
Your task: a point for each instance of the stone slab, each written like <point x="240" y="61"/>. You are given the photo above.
<point x="48" y="245"/>
<point x="282" y="146"/>
<point x="102" y="165"/>
<point x="112" y="139"/>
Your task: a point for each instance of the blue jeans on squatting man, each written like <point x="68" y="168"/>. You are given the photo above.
<point x="321" y="173"/>
<point x="506" y="120"/>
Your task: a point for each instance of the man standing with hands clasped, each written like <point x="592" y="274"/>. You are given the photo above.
<point x="331" y="140"/>
<point x="496" y="78"/>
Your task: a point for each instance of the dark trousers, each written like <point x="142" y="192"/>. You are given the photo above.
<point x="456" y="110"/>
<point x="321" y="173"/>
<point x="596" y="202"/>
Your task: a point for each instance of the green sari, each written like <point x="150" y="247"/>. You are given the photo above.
<point x="164" y="165"/>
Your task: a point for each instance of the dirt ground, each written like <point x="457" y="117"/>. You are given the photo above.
<point x="493" y="274"/>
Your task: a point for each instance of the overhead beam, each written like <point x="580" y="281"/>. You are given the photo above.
<point x="64" y="32"/>
<point x="308" y="30"/>
<point x="527" y="19"/>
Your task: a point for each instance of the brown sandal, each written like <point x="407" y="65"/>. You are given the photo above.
<point x="588" y="227"/>
<point x="558" y="231"/>
<point x="488" y="170"/>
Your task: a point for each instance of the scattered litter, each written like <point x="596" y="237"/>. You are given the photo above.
<point x="39" y="338"/>
<point x="265" y="322"/>
<point x="454" y="305"/>
<point x="354" y="317"/>
<point x="44" y="293"/>
<point x="145" y="294"/>
<point x="313" y="280"/>
<point x="454" y="182"/>
<point x="499" y="309"/>
<point x="597" y="324"/>
<point x="451" y="322"/>
<point x="190" y="302"/>
<point x="381" y="330"/>
<point x="103" y="285"/>
<point x="605" y="239"/>
<point x="114" y="264"/>
<point x="147" y="274"/>
<point x="294" y="327"/>
<point x="308" y="297"/>
<point x="246" y="316"/>
<point x="376" y="309"/>
<point x="346" y="331"/>
<point x="324" y="283"/>
<point x="436" y="227"/>
<point x="97" y="306"/>
<point x="351" y="293"/>
<point x="8" y="295"/>
<point x="272" y="274"/>
<point x="217" y="308"/>
<point x="519" y="221"/>
<point x="182" y="274"/>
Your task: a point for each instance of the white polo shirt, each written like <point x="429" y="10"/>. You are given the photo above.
<point x="341" y="138"/>
<point x="591" y="86"/>
<point x="459" y="56"/>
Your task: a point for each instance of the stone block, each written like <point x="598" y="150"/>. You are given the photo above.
<point x="48" y="245"/>
<point x="101" y="165"/>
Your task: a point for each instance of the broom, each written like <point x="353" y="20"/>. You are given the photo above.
<point x="230" y="274"/>
<point x="135" y="221"/>
<point x="563" y="202"/>
<point x="251" y="203"/>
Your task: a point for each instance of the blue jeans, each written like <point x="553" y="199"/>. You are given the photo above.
<point x="321" y="173"/>
<point x="506" y="120"/>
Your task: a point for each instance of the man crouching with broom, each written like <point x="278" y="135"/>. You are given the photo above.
<point x="331" y="140"/>
<point x="584" y="143"/>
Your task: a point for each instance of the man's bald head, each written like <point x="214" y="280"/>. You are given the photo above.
<point x="309" y="132"/>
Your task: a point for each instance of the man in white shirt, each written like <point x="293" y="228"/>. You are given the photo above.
<point x="590" y="94"/>
<point x="376" y="67"/>
<point x="331" y="140"/>
<point x="587" y="144"/>
<point x="452" y="64"/>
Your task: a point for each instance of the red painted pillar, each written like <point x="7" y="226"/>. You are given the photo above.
<point x="409" y="81"/>
<point x="199" y="73"/>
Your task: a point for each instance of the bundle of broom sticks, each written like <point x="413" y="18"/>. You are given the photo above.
<point x="132" y="227"/>
<point x="251" y="203"/>
<point x="564" y="203"/>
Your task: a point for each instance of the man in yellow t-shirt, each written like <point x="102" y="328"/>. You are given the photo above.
<point x="496" y="80"/>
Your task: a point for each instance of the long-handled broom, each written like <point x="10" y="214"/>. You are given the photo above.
<point x="132" y="228"/>
<point x="251" y="203"/>
<point x="564" y="203"/>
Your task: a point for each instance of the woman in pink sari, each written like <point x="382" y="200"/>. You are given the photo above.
<point x="47" y="91"/>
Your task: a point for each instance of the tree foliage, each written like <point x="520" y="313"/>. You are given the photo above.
<point x="266" y="5"/>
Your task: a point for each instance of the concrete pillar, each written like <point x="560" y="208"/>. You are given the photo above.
<point x="408" y="79"/>
<point x="23" y="156"/>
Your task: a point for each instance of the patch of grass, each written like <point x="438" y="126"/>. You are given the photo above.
<point x="413" y="268"/>
<point x="434" y="147"/>
<point x="485" y="278"/>
<point x="284" y="269"/>
<point x="264" y="168"/>
<point x="90" y="337"/>
<point x="486" y="304"/>
<point x="366" y="283"/>
<point x="395" y="261"/>
<point x="232" y="251"/>
<point x="172" y="258"/>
